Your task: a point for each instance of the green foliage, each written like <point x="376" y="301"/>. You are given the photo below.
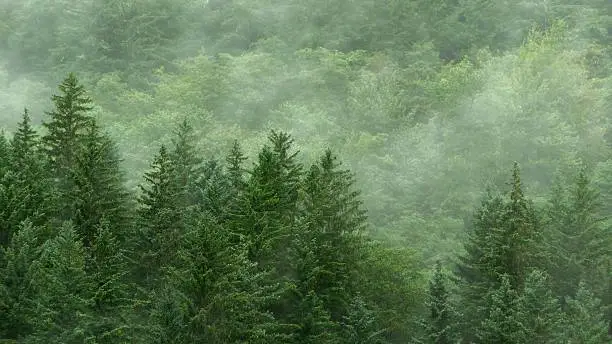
<point x="62" y="291"/>
<point x="585" y="320"/>
<point x="64" y="138"/>
<point x="17" y="289"/>
<point x="98" y="188"/>
<point x="442" y="315"/>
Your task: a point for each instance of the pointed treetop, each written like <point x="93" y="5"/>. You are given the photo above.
<point x="517" y="191"/>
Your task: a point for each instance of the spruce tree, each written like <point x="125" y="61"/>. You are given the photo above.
<point x="32" y="178"/>
<point x="115" y="300"/>
<point x="160" y="220"/>
<point x="502" y="323"/>
<point x="63" y="292"/>
<point x="187" y="163"/>
<point x="505" y="241"/>
<point x="441" y="317"/>
<point x="267" y="208"/>
<point x="66" y="129"/>
<point x="585" y="320"/>
<point x="98" y="188"/>
<point x="17" y="280"/>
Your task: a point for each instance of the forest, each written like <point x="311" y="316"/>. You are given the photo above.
<point x="312" y="171"/>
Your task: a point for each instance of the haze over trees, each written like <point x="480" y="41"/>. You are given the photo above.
<point x="305" y="171"/>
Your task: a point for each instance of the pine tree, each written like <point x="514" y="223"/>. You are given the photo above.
<point x="334" y="220"/>
<point x="268" y="206"/>
<point x="235" y="168"/>
<point x="538" y="311"/>
<point x="114" y="296"/>
<point x="580" y="241"/>
<point x="64" y="138"/>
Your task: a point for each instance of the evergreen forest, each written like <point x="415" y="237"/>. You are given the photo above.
<point x="306" y="171"/>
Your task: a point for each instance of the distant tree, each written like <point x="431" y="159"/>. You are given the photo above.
<point x="187" y="163"/>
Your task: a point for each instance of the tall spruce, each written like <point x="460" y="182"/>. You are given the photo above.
<point x="66" y="129"/>
<point x="160" y="220"/>
<point x="98" y="188"/>
<point x="505" y="241"/>
<point x="268" y="206"/>
<point x="187" y="163"/>
<point x="26" y="188"/>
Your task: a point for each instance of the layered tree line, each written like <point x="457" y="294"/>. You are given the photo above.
<point x="212" y="250"/>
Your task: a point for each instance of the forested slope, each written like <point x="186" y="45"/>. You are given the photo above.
<point x="183" y="185"/>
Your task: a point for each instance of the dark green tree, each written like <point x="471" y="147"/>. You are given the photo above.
<point x="17" y="291"/>
<point x="98" y="188"/>
<point x="63" y="292"/>
<point x="116" y="300"/>
<point x="160" y="220"/>
<point x="63" y="141"/>
<point x="268" y="207"/>
<point x="504" y="241"/>
<point x="502" y="323"/>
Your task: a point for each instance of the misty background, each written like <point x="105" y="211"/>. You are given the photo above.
<point x="426" y="101"/>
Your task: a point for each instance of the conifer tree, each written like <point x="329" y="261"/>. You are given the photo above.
<point x="502" y="324"/>
<point x="235" y="166"/>
<point x="160" y="220"/>
<point x="64" y="138"/>
<point x="62" y="291"/>
<point x="6" y="228"/>
<point x="26" y="189"/>
<point x="585" y="320"/>
<point x="334" y="220"/>
<point x="538" y="311"/>
<point x="268" y="205"/>
<point x="187" y="164"/>
<point x="98" y="187"/>
<point x="17" y="292"/>
<point x="441" y="318"/>
<point x="114" y="296"/>
<point x="505" y="241"/>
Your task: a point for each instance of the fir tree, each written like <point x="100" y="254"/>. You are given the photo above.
<point x="505" y="241"/>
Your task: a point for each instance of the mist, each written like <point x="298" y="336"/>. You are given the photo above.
<point x="429" y="103"/>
